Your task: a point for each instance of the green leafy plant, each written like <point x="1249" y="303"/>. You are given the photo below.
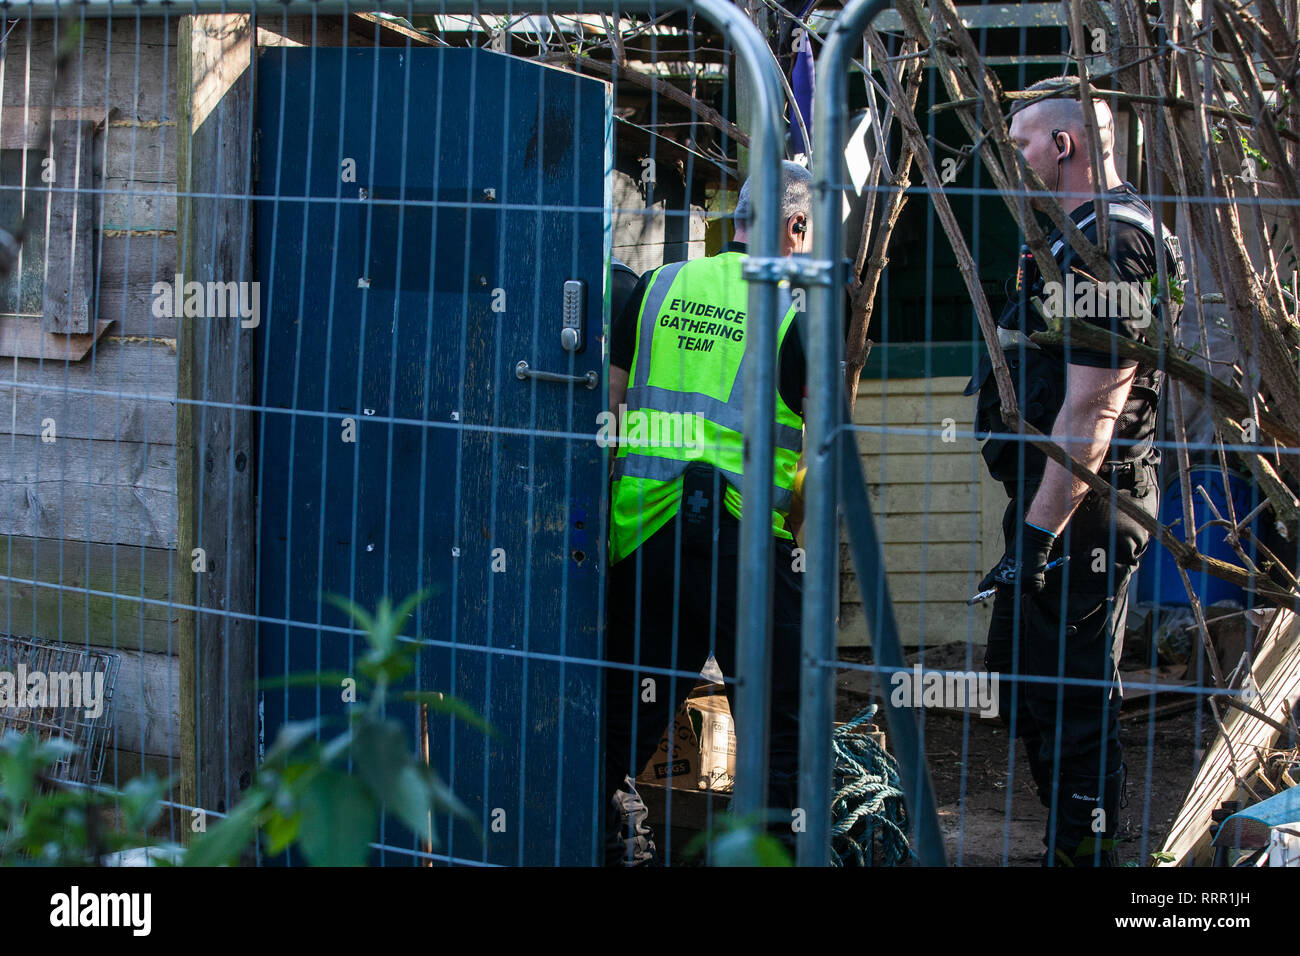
<point x="740" y="841"/>
<point x="49" y="822"/>
<point x="323" y="794"/>
<point x="1254" y="154"/>
<point x="1176" y="293"/>
<point x="1250" y="151"/>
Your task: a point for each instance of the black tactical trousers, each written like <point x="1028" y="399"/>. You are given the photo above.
<point x="1066" y="643"/>
<point x="671" y="604"/>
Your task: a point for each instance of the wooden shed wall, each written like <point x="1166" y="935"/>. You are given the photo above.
<point x="937" y="512"/>
<point x="90" y="517"/>
<point x="89" y="539"/>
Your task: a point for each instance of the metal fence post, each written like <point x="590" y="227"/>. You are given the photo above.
<point x="754" y="607"/>
<point x="826" y="402"/>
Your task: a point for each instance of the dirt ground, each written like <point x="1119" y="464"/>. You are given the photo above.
<point x="970" y="765"/>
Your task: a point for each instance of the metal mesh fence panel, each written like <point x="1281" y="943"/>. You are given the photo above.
<point x="385" y="382"/>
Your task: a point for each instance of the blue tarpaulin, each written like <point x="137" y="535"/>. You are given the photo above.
<point x="1250" y="827"/>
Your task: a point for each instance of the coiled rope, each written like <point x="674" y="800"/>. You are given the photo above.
<point x="868" y="816"/>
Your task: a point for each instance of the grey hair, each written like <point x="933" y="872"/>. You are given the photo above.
<point x="796" y="195"/>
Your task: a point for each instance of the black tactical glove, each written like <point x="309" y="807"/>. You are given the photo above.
<point x="1029" y="567"/>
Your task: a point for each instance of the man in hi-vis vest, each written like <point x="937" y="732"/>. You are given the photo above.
<point x="678" y="355"/>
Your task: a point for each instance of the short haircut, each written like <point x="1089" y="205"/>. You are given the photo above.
<point x="796" y="195"/>
<point x="1065" y="111"/>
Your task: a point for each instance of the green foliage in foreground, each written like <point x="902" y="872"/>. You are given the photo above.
<point x="739" y="841"/>
<point x="47" y="822"/>
<point x="323" y="794"/>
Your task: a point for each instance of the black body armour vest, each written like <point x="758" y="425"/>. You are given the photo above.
<point x="1039" y="375"/>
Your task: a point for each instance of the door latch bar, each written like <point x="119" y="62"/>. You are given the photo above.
<point x="522" y="371"/>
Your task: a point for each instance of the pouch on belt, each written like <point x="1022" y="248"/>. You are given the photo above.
<point x="702" y="490"/>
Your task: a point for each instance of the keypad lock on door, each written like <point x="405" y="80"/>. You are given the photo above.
<point x="572" y="309"/>
<point x="571" y="312"/>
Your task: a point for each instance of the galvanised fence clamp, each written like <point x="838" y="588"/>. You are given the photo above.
<point x="774" y="269"/>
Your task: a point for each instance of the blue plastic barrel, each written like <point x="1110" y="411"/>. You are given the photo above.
<point x="1158" y="581"/>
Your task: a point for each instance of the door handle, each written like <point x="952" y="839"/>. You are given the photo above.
<point x="522" y="371"/>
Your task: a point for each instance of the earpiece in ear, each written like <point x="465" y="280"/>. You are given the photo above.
<point x="798" y="228"/>
<point x="1062" y="152"/>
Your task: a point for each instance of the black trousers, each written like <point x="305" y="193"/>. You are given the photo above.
<point x="1073" y="631"/>
<point x="671" y="604"/>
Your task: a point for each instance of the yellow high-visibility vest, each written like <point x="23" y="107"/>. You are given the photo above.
<point x="685" y="402"/>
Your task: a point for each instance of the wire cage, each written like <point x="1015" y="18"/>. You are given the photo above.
<point x="72" y="681"/>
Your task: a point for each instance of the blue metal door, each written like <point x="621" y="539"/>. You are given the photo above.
<point x="420" y="212"/>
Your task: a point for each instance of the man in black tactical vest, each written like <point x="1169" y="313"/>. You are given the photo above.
<point x="1062" y="585"/>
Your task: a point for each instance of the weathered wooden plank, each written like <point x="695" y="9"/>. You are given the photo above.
<point x="912" y="587"/>
<point x="945" y="430"/>
<point x="1276" y="672"/>
<point x="130" y="260"/>
<point x="920" y="470"/>
<point x="934" y="504"/>
<point x="934" y="557"/>
<point x="122" y="390"/>
<point x="141" y="154"/>
<point x="922" y="502"/>
<point x="69" y="253"/>
<point x="302" y="31"/>
<point x="943" y="528"/>
<point x="146" y="703"/>
<point x="24" y="129"/>
<point x="74" y="600"/>
<point x="943" y="623"/>
<point x="218" y="659"/>
<point x="945" y="385"/>
<point x="139" y="178"/>
<point x="914" y="411"/>
<point x="913" y="404"/>
<point x="888" y="442"/>
<point x="373" y="29"/>
<point x="97" y="491"/>
<point x="892" y="441"/>
<point x="40" y="463"/>
<point x="132" y="308"/>
<point x="122" y="61"/>
<point x="138" y="206"/>
<point x="128" y="268"/>
<point x="23" y="337"/>
<point x="52" y="507"/>
<point x="123" y="366"/>
<point x="939" y="385"/>
<point x="102" y="416"/>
